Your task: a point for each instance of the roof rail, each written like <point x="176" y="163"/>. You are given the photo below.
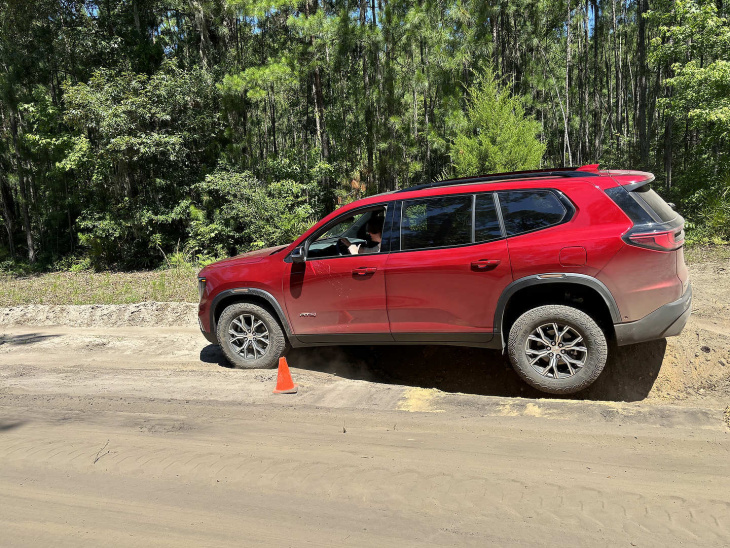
<point x="553" y="172"/>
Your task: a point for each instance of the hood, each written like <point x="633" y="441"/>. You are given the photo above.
<point x="247" y="258"/>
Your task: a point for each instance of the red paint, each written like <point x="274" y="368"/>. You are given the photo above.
<point x="346" y="293"/>
<point x="437" y="290"/>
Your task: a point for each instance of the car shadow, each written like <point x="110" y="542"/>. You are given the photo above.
<point x="629" y="374"/>
<point x="25" y="338"/>
<point x="5" y="426"/>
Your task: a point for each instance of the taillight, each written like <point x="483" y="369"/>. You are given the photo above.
<point x="665" y="240"/>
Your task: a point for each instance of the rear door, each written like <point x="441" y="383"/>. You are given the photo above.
<point x="447" y="268"/>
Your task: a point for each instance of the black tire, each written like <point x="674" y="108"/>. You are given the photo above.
<point x="558" y="378"/>
<point x="277" y="341"/>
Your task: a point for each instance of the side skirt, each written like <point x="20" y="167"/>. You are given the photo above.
<point x="474" y="340"/>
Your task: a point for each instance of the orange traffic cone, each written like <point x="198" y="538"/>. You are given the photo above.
<point x="284" y="382"/>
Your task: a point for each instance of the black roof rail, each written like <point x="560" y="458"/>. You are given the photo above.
<point x="553" y="172"/>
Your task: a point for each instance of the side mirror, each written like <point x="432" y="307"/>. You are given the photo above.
<point x="297" y="255"/>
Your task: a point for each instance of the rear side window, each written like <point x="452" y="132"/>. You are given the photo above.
<point x="529" y="210"/>
<point x="436" y="222"/>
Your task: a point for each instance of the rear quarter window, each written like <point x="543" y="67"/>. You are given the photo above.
<point x="530" y="210"/>
<point x="662" y="209"/>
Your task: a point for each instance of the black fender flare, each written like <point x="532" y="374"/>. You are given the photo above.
<point x="253" y="291"/>
<point x="551" y="278"/>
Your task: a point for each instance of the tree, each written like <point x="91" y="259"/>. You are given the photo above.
<point x="495" y="135"/>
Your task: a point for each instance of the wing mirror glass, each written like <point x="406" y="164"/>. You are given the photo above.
<point x="298" y="255"/>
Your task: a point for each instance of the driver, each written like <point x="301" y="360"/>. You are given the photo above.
<point x="374" y="228"/>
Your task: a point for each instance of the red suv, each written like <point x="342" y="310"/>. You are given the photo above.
<point x="549" y="264"/>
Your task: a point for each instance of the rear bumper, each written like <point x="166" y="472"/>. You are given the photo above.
<point x="666" y="321"/>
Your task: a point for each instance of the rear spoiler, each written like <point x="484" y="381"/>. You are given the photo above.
<point x="631" y="180"/>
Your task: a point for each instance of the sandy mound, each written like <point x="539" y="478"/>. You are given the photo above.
<point x="148" y="314"/>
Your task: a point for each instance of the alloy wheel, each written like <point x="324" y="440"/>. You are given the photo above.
<point x="556" y="350"/>
<point x="248" y="337"/>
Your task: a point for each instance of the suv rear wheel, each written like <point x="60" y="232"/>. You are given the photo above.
<point x="250" y="336"/>
<point x="557" y="349"/>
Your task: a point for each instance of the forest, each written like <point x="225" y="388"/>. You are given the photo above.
<point x="140" y="133"/>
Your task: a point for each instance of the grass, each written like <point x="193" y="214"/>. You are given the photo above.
<point x="172" y="285"/>
<point x="694" y="254"/>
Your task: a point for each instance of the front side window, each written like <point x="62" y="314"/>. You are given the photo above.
<point x="530" y="210"/>
<point x="436" y="222"/>
<point x="354" y="234"/>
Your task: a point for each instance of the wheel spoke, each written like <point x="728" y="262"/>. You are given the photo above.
<point x="567" y="362"/>
<point x="562" y="334"/>
<point x="545" y="340"/>
<point x="243" y="348"/>
<point x="571" y="344"/>
<point x="567" y="359"/>
<point x="552" y="365"/>
<point x="538" y="357"/>
<point x="536" y="339"/>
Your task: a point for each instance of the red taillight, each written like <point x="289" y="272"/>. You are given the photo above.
<point x="666" y="240"/>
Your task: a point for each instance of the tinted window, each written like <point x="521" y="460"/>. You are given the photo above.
<point x="525" y="211"/>
<point x="485" y="218"/>
<point x="629" y="205"/>
<point x="436" y="222"/>
<point x="655" y="202"/>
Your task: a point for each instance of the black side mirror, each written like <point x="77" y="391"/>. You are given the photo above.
<point x="297" y="255"/>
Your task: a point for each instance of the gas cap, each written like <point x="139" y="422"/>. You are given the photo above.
<point x="573" y="256"/>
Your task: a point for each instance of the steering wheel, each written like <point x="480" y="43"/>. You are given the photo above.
<point x="342" y="249"/>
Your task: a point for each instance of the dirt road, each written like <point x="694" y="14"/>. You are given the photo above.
<point x="140" y="437"/>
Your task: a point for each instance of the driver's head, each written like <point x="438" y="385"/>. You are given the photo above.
<point x="375" y="224"/>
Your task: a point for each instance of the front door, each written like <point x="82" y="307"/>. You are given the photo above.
<point x="337" y="296"/>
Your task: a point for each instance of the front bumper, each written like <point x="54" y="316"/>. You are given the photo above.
<point x="209" y="336"/>
<point x="665" y="321"/>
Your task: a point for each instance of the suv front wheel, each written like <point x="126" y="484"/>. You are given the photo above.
<point x="250" y="336"/>
<point x="557" y="349"/>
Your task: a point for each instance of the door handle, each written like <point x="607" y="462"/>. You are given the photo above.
<point x="485" y="264"/>
<point x="364" y="270"/>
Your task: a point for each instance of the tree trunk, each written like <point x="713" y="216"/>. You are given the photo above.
<point x="8" y="210"/>
<point x="642" y="84"/>
<point x="22" y="185"/>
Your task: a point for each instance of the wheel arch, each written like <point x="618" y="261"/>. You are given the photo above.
<point x="578" y="290"/>
<point x="248" y="295"/>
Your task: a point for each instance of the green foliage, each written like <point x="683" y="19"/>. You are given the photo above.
<point x="495" y="135"/>
<point x="146" y="133"/>
<point x="694" y="39"/>
<point x="142" y="143"/>
<point x="239" y="213"/>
